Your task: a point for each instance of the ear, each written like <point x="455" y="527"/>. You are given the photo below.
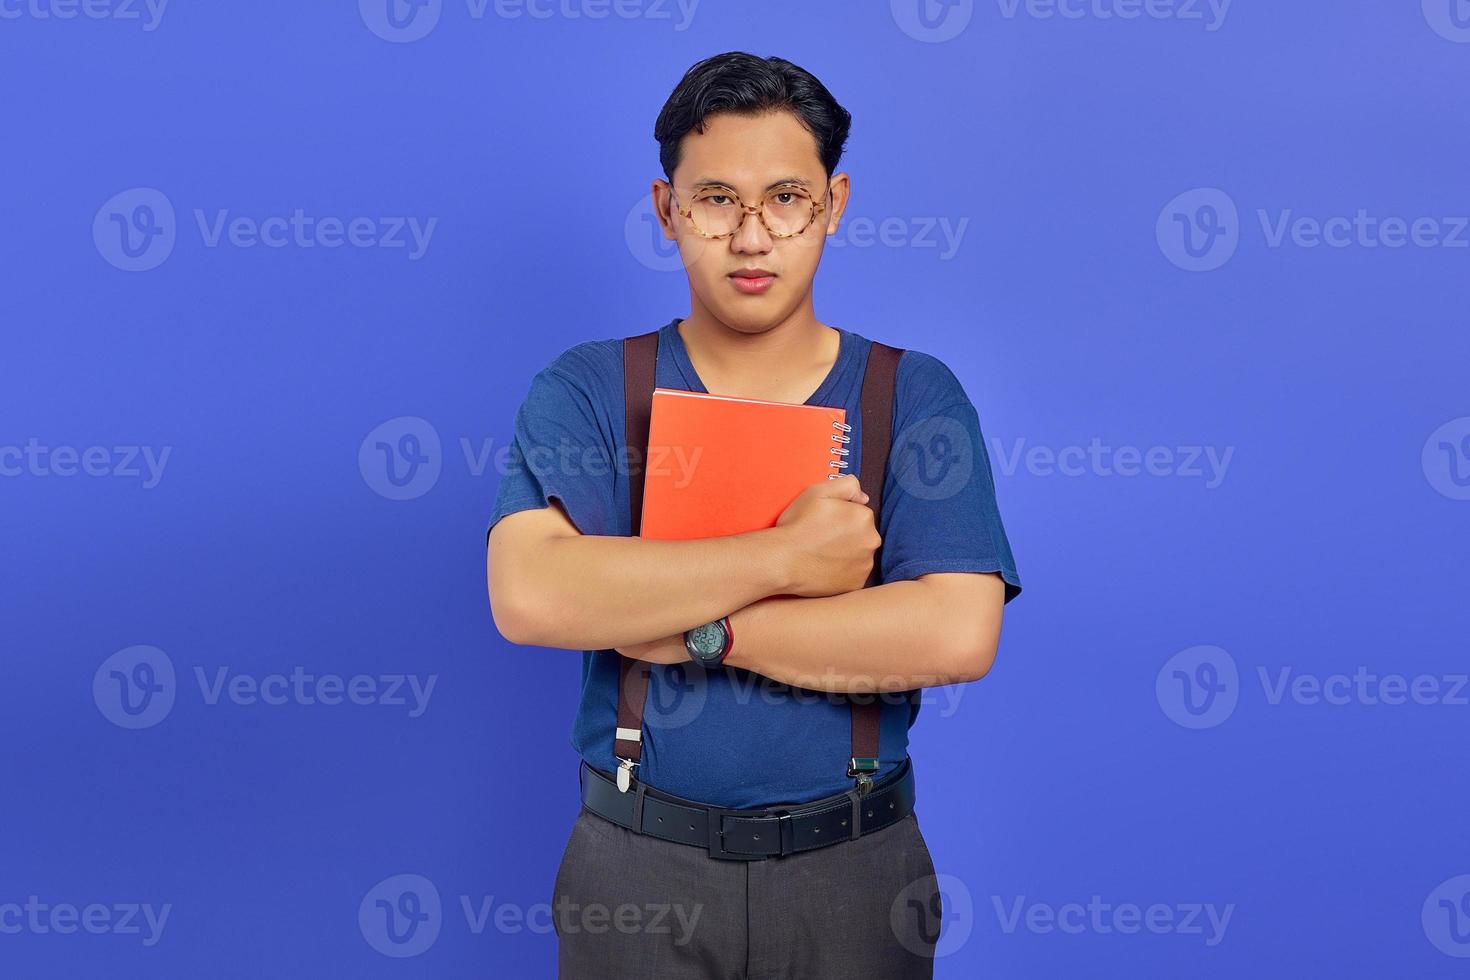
<point x="663" y="203"/>
<point x="841" y="189"/>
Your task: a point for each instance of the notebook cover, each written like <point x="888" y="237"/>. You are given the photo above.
<point x="719" y="465"/>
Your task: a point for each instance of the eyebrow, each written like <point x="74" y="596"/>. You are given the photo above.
<point x="715" y="182"/>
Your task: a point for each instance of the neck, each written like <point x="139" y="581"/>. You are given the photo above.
<point x="784" y="362"/>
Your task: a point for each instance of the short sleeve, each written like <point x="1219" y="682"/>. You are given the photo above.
<point x="940" y="512"/>
<point x="563" y="447"/>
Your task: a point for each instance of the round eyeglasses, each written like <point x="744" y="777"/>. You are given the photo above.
<point x="786" y="210"/>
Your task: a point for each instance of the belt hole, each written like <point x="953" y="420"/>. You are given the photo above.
<point x="870" y="813"/>
<point x="757" y="836"/>
<point x="890" y="806"/>
<point x="816" y="830"/>
<point x="844" y="823"/>
<point x="691" y="826"/>
<point x="661" y="819"/>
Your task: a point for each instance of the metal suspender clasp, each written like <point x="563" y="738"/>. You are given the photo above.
<point x="625" y="774"/>
<point x="862" y="770"/>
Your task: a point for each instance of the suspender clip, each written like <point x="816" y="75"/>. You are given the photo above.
<point x="625" y="774"/>
<point x="862" y="770"/>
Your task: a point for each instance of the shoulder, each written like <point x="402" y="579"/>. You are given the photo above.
<point x="925" y="384"/>
<point x="591" y="370"/>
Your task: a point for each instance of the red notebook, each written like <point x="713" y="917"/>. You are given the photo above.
<point x="719" y="465"/>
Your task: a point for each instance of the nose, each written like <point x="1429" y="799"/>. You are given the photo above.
<point x="751" y="235"/>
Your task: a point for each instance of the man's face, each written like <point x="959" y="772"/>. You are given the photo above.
<point x="751" y="156"/>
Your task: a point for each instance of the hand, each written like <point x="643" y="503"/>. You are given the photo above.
<point x="829" y="538"/>
<point x="668" y="650"/>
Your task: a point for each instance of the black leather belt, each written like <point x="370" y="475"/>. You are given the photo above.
<point x="750" y="835"/>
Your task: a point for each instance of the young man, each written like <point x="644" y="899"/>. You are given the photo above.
<point x="740" y="792"/>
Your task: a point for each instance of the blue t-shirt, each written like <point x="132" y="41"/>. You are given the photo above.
<point x="731" y="737"/>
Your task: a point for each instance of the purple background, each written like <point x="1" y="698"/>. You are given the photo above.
<point x="1334" y="540"/>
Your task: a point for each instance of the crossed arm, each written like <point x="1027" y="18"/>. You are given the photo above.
<point x="552" y="586"/>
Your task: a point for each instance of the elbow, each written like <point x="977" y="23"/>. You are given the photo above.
<point x="515" y="616"/>
<point x="972" y="654"/>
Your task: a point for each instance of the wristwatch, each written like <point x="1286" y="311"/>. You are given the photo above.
<point x="710" y="644"/>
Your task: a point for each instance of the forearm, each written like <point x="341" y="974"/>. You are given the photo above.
<point x="593" y="592"/>
<point x="894" y="637"/>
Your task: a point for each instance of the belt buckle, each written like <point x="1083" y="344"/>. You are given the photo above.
<point x="715" y="828"/>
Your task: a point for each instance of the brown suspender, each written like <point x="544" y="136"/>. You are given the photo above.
<point x="640" y="358"/>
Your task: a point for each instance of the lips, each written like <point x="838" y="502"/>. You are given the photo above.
<point x="752" y="281"/>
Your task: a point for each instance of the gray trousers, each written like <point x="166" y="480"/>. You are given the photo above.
<point x="627" y="906"/>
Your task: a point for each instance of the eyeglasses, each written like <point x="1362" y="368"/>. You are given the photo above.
<point x="717" y="212"/>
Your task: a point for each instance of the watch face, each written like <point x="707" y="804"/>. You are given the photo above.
<point x="707" y="640"/>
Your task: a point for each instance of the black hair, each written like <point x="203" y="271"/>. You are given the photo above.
<point x="747" y="85"/>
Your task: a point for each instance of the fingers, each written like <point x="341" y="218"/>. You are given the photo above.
<point x="845" y="487"/>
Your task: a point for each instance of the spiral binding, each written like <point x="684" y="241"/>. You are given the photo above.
<point x="840" y="463"/>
